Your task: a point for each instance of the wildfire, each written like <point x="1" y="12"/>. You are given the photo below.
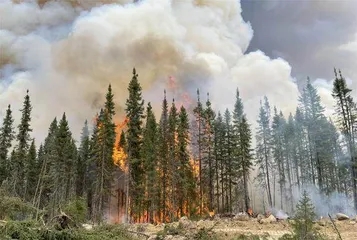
<point x="119" y="155"/>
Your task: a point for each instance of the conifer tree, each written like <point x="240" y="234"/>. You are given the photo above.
<point x="346" y="110"/>
<point x="150" y="161"/>
<point x="228" y="155"/>
<point x="219" y="137"/>
<point x="104" y="163"/>
<point x="172" y="142"/>
<point x="6" y="137"/>
<point x="186" y="182"/>
<point x="246" y="157"/>
<point x="82" y="161"/>
<point x="198" y="113"/>
<point x="134" y="112"/>
<point x="164" y="156"/>
<point x="304" y="217"/>
<point x="208" y="151"/>
<point x="263" y="149"/>
<point x="31" y="172"/>
<point x="23" y="138"/>
<point x="46" y="163"/>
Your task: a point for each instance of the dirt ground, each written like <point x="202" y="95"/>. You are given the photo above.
<point x="230" y="228"/>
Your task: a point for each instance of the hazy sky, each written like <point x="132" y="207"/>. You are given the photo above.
<point x="313" y="36"/>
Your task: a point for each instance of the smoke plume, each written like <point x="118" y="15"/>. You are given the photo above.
<point x="67" y="52"/>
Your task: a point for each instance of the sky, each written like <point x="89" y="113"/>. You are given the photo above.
<point x="313" y="36"/>
<point x="67" y="52"/>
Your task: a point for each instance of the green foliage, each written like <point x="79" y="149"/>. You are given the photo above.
<point x="76" y="209"/>
<point x="303" y="227"/>
<point x="204" y="234"/>
<point x="14" y="208"/>
<point x="30" y="230"/>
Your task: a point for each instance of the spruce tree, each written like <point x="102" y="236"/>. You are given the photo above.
<point x="6" y="137"/>
<point x="172" y="141"/>
<point x="32" y="172"/>
<point x="19" y="165"/>
<point x="246" y="157"/>
<point x="186" y="182"/>
<point x="150" y="161"/>
<point x="134" y="111"/>
<point x="208" y="151"/>
<point x="228" y="159"/>
<point x="346" y="111"/>
<point x="304" y="217"/>
<point x="198" y="113"/>
<point x="82" y="161"/>
<point x="164" y="156"/>
<point x="219" y="136"/>
<point x="263" y="149"/>
<point x="104" y="162"/>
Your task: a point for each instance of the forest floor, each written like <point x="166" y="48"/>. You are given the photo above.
<point x="229" y="229"/>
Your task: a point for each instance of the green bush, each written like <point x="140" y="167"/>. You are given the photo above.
<point x="13" y="208"/>
<point x="30" y="230"/>
<point x="76" y="209"/>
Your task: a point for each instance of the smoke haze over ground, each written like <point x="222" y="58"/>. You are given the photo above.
<point x="67" y="54"/>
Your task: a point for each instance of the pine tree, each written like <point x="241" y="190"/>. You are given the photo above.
<point x="104" y="162"/>
<point x="219" y="165"/>
<point x="32" y="172"/>
<point x="23" y="138"/>
<point x="186" y="182"/>
<point x="172" y="141"/>
<point x="346" y="110"/>
<point x="63" y="168"/>
<point x="304" y="217"/>
<point x="278" y="153"/>
<point x="6" y="137"/>
<point x="198" y="113"/>
<point x="47" y="160"/>
<point x="228" y="159"/>
<point x="82" y="161"/>
<point x="246" y="157"/>
<point x="164" y="156"/>
<point x="263" y="149"/>
<point x="150" y="161"/>
<point x="134" y="112"/>
<point x="208" y="151"/>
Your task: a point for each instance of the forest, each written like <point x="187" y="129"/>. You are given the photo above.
<point x="188" y="162"/>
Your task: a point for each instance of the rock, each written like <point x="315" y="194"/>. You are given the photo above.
<point x="153" y="237"/>
<point x="241" y="217"/>
<point x="260" y="217"/>
<point x="341" y="216"/>
<point x="323" y="221"/>
<point x="269" y="219"/>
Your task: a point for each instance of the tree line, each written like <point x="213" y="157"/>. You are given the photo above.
<point x="189" y="162"/>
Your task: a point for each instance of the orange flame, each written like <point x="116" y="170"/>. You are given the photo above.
<point x="119" y="155"/>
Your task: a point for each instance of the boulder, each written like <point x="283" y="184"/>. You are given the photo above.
<point x="341" y="217"/>
<point x="269" y="219"/>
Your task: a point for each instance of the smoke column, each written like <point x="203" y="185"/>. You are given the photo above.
<point x="67" y="52"/>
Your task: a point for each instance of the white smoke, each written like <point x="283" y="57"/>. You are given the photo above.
<point x="324" y="205"/>
<point x="68" y="54"/>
